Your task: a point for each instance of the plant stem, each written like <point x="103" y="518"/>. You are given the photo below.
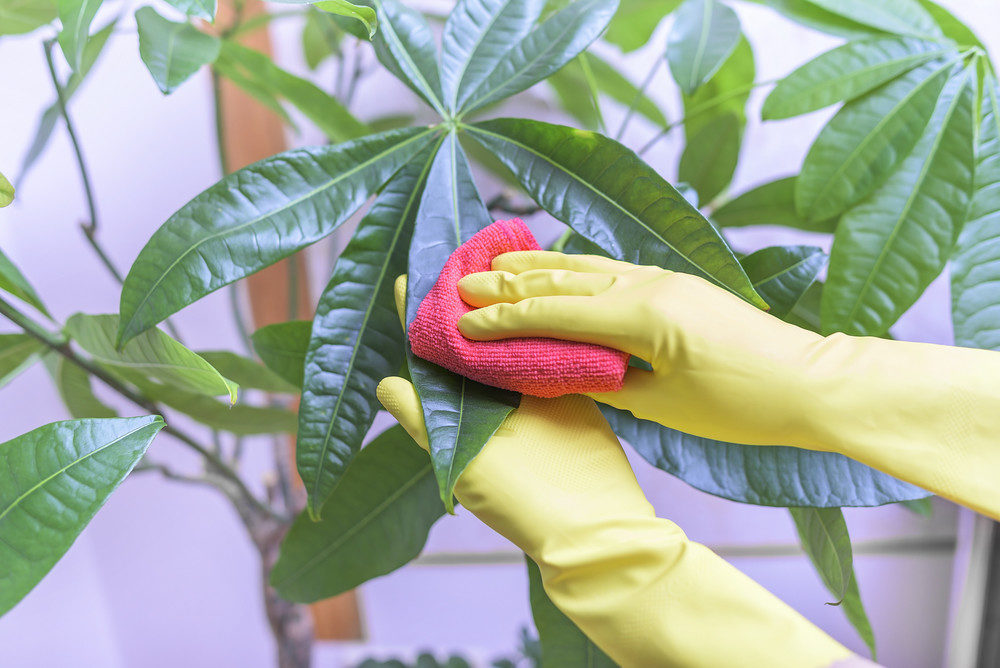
<point x="638" y="97"/>
<point x="220" y="142"/>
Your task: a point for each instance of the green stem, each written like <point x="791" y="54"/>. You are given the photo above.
<point x="293" y="287"/>
<point x="638" y="97"/>
<point x="220" y="140"/>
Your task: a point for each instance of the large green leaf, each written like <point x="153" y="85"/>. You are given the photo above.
<point x="75" y="390"/>
<point x="635" y="21"/>
<point x="241" y="419"/>
<point x="564" y="645"/>
<point x="824" y="537"/>
<point x="888" y="249"/>
<point x="13" y="282"/>
<point x="703" y="36"/>
<point x="22" y="16"/>
<point x="356" y="338"/>
<point x="975" y="270"/>
<point x="150" y="356"/>
<point x="405" y="46"/>
<point x="247" y="373"/>
<point x="772" y="203"/>
<point x="173" y="51"/>
<point x="376" y="520"/>
<point x="904" y="17"/>
<point x="541" y="52"/>
<point x="17" y="353"/>
<point x="782" y="274"/>
<point x="461" y="414"/>
<point x="75" y="17"/>
<point x="813" y="16"/>
<point x="847" y="72"/>
<point x="53" y="480"/>
<point x="282" y="347"/>
<point x="202" y="9"/>
<point x="255" y="217"/>
<point x="476" y="37"/>
<point x="610" y="196"/>
<point x="867" y="140"/>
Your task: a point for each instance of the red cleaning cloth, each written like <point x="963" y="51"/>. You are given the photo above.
<point x="538" y="366"/>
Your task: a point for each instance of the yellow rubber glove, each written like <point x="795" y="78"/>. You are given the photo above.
<point x="555" y="481"/>
<point x="723" y="369"/>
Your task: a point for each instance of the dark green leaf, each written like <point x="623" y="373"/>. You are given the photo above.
<point x="867" y="140"/>
<point x="172" y="51"/>
<point x="610" y="196"/>
<point x="635" y="21"/>
<point x="17" y="353"/>
<point x="888" y="249"/>
<point x="813" y="16"/>
<point x="73" y="384"/>
<point x="75" y="17"/>
<point x="53" y="480"/>
<point x="356" y="337"/>
<point x="13" y="281"/>
<point x="376" y="520"/>
<point x="782" y="274"/>
<point x="202" y="9"/>
<point x="22" y="16"/>
<point x="461" y="414"/>
<point x="405" y="46"/>
<point x="255" y="217"/>
<point x="544" y="50"/>
<point x="247" y="373"/>
<point x="975" y="271"/>
<point x="563" y="644"/>
<point x="904" y="17"/>
<point x="703" y="36"/>
<point x="241" y="420"/>
<point x="320" y="39"/>
<point x="282" y="347"/>
<point x="847" y="72"/>
<point x="710" y="156"/>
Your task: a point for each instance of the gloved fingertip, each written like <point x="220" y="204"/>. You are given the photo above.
<point x="399" y="294"/>
<point x="517" y="261"/>
<point x="483" y="288"/>
<point x="479" y="325"/>
<point x="399" y="397"/>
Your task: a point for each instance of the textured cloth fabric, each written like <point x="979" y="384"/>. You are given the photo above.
<point x="538" y="366"/>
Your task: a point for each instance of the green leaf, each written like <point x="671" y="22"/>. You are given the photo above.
<point x="73" y="384"/>
<point x="710" y="156"/>
<point x="320" y="38"/>
<point x="847" y="72"/>
<point x="282" y="347"/>
<point x="635" y="21"/>
<point x="903" y="17"/>
<point x="541" y="52"/>
<point x="564" y="645"/>
<point x="609" y="195"/>
<point x="324" y="110"/>
<point x="703" y="36"/>
<point x="6" y="191"/>
<point x="888" y="249"/>
<point x="173" y="51"/>
<point x="867" y="140"/>
<point x="376" y="520"/>
<point x="255" y="217"/>
<point x="201" y="9"/>
<point x="923" y="507"/>
<point x="53" y="480"/>
<point x="76" y="17"/>
<point x="577" y="94"/>
<point x="769" y="204"/>
<point x="23" y="16"/>
<point x="461" y="414"/>
<point x="612" y="83"/>
<point x="951" y="27"/>
<point x="824" y="537"/>
<point x="241" y="419"/>
<point x="405" y="46"/>
<point x="812" y="16"/>
<point x="571" y="79"/>
<point x="247" y="373"/>
<point x="13" y="282"/>
<point x="356" y="337"/>
<point x="975" y="269"/>
<point x="366" y="15"/>
<point x="17" y="353"/>
<point x="782" y="274"/>
<point x="150" y="356"/>
<point x="476" y="37"/>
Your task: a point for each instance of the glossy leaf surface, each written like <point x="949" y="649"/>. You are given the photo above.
<point x="172" y="51"/>
<point x="17" y="353"/>
<point x="13" y="282"/>
<point x="255" y="217"/>
<point x="782" y="274"/>
<point x="904" y="17"/>
<point x="23" y="16"/>
<point x="888" y="249"/>
<point x="75" y="17"/>
<point x="53" y="480"/>
<point x="405" y="45"/>
<point x="769" y="204"/>
<point x="366" y="15"/>
<point x="610" y="196"/>
<point x="703" y="36"/>
<point x="247" y="373"/>
<point x="282" y="347"/>
<point x="376" y="520"/>
<point x="356" y="337"/>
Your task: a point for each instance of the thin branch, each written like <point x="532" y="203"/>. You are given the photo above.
<point x="639" y="93"/>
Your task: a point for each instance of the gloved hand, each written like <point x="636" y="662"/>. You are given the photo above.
<point x="555" y="481"/>
<point x="723" y="369"/>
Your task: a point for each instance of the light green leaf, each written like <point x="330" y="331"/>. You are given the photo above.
<point x="923" y="507"/>
<point x="903" y="17"/>
<point x="461" y="414"/>
<point x="53" y="480"/>
<point x="572" y="79"/>
<point x="230" y="68"/>
<point x="541" y="52"/>
<point x="635" y="21"/>
<point x="951" y="27"/>
<point x="173" y="51"/>
<point x="22" y="16"/>
<point x="867" y="140"/>
<point x="812" y="16"/>
<point x="241" y="419"/>
<point x="14" y="282"/>
<point x="17" y="353"/>
<point x="376" y="520"/>
<point x="709" y="158"/>
<point x="564" y="645"/>
<point x="76" y="17"/>
<point x="320" y="38"/>
<point x="247" y="373"/>
<point x="848" y="72"/>
<point x="612" y="83"/>
<point x="73" y="384"/>
<point x="150" y="356"/>
<point x="6" y="191"/>
<point x="703" y="36"/>
<point x="202" y="9"/>
<point x="356" y="336"/>
<point x="577" y="94"/>
<point x="282" y="347"/>
<point x="975" y="270"/>
<point x="405" y="46"/>
<point x="255" y="217"/>
<point x="609" y="195"/>
<point x="783" y="274"/>
<point x="366" y="15"/>
<point x="769" y="204"/>
<point x="888" y="249"/>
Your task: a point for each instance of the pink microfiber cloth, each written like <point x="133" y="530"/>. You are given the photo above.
<point x="538" y="366"/>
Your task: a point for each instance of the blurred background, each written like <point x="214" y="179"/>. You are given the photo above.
<point x="164" y="575"/>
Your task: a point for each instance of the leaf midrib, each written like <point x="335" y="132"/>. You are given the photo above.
<point x="457" y="82"/>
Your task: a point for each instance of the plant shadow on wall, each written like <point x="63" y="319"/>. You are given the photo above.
<point x="905" y="176"/>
